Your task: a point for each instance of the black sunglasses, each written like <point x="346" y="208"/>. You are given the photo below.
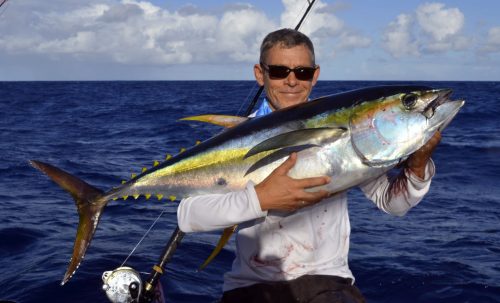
<point x="281" y="72"/>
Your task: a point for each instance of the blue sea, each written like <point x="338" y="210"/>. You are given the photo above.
<point x="447" y="249"/>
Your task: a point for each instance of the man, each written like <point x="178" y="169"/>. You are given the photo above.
<point x="292" y="245"/>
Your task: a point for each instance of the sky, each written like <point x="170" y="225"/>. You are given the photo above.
<point x="219" y="40"/>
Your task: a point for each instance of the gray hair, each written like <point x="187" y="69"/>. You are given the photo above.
<point x="287" y="38"/>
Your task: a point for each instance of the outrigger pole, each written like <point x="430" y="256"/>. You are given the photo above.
<point x="148" y="293"/>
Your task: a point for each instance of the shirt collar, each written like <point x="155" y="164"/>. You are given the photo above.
<point x="263" y="109"/>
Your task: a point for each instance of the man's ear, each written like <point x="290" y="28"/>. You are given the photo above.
<point x="259" y="74"/>
<point x="316" y="75"/>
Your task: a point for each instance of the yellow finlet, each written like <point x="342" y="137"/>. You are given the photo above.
<point x="182" y="150"/>
<point x="172" y="198"/>
<point x="147" y="196"/>
<point x="159" y="196"/>
<point x="136" y="196"/>
<point x="156" y="163"/>
<point x="144" y="169"/>
<point x="124" y="198"/>
<point x="168" y="156"/>
<point x="198" y="142"/>
<point x="133" y="176"/>
<point x="226" y="235"/>
<point x="124" y="181"/>
<point x="114" y="199"/>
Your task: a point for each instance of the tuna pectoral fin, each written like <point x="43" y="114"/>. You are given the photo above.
<point x="89" y="203"/>
<point x="221" y="120"/>
<point x="226" y="235"/>
<point x="274" y="156"/>
<point x="307" y="136"/>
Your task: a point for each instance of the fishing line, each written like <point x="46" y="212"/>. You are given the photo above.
<point x="143" y="237"/>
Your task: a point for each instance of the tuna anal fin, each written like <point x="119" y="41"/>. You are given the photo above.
<point x="89" y="203"/>
<point x="226" y="235"/>
<point x="307" y="136"/>
<point x="220" y="120"/>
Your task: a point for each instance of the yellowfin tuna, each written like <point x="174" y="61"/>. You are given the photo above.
<point x="352" y="137"/>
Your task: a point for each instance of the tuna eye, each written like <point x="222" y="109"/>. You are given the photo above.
<point x="409" y="101"/>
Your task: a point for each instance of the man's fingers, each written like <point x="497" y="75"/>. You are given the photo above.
<point x="314" y="197"/>
<point x="312" y="182"/>
<point x="287" y="165"/>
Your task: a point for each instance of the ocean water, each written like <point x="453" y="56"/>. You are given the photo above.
<point x="447" y="249"/>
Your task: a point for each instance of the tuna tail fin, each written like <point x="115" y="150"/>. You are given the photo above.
<point x="89" y="203"/>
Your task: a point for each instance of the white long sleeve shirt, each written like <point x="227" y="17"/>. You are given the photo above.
<point x="275" y="245"/>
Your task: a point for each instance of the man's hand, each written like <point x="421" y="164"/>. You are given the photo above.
<point x="280" y="192"/>
<point x="418" y="160"/>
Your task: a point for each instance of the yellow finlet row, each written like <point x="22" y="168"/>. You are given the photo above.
<point x="148" y="196"/>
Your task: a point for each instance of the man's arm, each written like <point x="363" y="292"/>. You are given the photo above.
<point x="397" y="195"/>
<point x="278" y="192"/>
<point x="218" y="211"/>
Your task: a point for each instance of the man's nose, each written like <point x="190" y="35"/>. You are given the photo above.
<point x="291" y="80"/>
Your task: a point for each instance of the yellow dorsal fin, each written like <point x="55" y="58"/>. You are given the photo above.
<point x="221" y="120"/>
<point x="156" y="163"/>
<point x="159" y="196"/>
<point x="147" y="196"/>
<point x="144" y="169"/>
<point x="136" y="196"/>
<point x="226" y="235"/>
<point x="172" y="198"/>
<point x="168" y="156"/>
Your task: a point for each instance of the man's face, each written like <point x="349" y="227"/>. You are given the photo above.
<point x="289" y="91"/>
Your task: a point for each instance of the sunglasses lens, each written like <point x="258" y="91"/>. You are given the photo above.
<point x="278" y="72"/>
<point x="304" y="73"/>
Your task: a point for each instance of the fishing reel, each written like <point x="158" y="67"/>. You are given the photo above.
<point x="122" y="285"/>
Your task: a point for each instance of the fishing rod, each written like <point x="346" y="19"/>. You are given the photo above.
<point x="124" y="284"/>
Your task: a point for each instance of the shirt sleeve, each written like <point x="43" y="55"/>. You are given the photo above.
<point x="397" y="194"/>
<point x="218" y="211"/>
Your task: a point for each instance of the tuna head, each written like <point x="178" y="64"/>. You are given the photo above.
<point x="389" y="129"/>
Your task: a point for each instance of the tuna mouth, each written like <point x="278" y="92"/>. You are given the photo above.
<point x="441" y="98"/>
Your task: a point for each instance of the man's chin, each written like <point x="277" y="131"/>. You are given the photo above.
<point x="292" y="99"/>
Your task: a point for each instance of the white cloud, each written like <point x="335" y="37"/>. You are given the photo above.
<point x="328" y="33"/>
<point x="493" y="41"/>
<point x="240" y="33"/>
<point x="140" y="32"/>
<point x="350" y="41"/>
<point x="318" y="22"/>
<point x="432" y="28"/>
<point x="397" y="38"/>
<point x="438" y="21"/>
